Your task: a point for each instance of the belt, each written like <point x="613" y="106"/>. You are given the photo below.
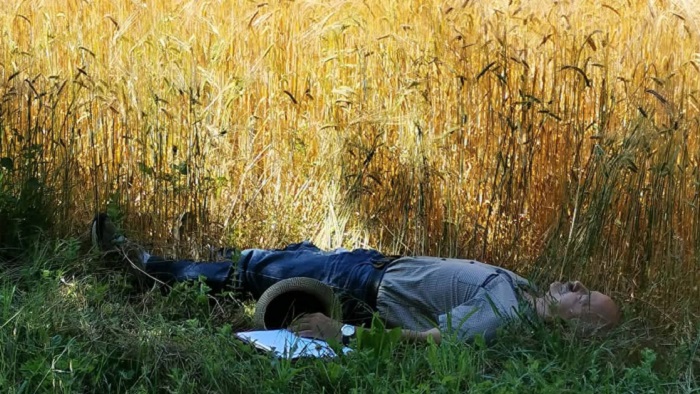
<point x="373" y="285"/>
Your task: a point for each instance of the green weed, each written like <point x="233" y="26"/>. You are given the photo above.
<point x="67" y="329"/>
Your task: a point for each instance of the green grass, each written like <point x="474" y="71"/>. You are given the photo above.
<point x="70" y="323"/>
<point x="559" y="140"/>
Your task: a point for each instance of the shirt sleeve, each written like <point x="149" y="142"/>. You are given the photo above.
<point x="491" y="308"/>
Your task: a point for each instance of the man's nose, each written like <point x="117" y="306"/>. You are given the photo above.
<point x="577" y="286"/>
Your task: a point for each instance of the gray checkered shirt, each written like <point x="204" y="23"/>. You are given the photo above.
<point x="462" y="297"/>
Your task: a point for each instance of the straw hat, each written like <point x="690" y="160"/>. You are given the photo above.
<point x="287" y="299"/>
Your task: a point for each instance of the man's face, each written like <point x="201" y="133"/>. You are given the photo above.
<point x="572" y="300"/>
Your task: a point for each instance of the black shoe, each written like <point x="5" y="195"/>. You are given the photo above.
<point x="104" y="233"/>
<point x="107" y="238"/>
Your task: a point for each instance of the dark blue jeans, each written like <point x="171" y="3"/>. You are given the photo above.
<point x="353" y="275"/>
<point x="216" y="274"/>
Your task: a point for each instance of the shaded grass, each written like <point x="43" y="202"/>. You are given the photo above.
<point x="70" y="324"/>
<point x="558" y="140"/>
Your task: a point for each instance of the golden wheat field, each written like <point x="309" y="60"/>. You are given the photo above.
<point x="552" y="137"/>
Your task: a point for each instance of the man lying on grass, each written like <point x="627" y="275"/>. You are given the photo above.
<point x="425" y="296"/>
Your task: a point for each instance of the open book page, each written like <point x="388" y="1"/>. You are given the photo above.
<point x="286" y="344"/>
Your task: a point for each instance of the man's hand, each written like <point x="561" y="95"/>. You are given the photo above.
<point x="320" y="326"/>
<point x="317" y="325"/>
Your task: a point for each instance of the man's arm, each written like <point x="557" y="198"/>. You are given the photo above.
<point x="318" y="325"/>
<point x="421" y="336"/>
<point x="482" y="315"/>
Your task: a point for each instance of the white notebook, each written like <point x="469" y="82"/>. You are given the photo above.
<point x="286" y="344"/>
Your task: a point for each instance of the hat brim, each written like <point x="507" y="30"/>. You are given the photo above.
<point x="289" y="298"/>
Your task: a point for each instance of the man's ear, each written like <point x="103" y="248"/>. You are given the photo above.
<point x="552" y="310"/>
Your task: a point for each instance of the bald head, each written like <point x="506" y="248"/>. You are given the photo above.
<point x="591" y="311"/>
<point x="602" y="312"/>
